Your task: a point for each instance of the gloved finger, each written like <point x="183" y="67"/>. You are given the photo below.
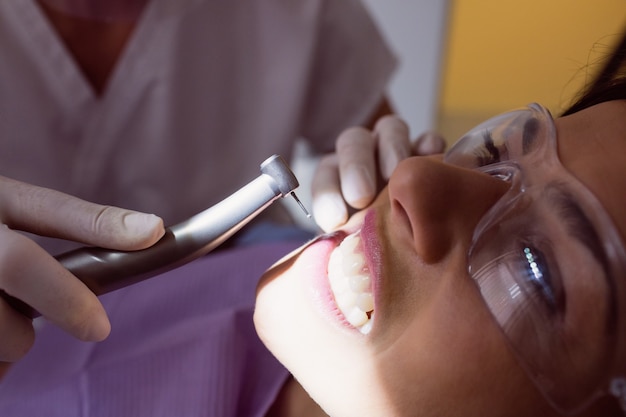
<point x="51" y="213"/>
<point x="30" y="274"/>
<point x="429" y="143"/>
<point x="16" y="333"/>
<point x="394" y="144"/>
<point x="356" y="150"/>
<point x="329" y="208"/>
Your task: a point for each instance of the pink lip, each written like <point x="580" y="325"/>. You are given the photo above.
<point x="372" y="251"/>
<point x="315" y="262"/>
<point x="316" y="258"/>
<point x="373" y="255"/>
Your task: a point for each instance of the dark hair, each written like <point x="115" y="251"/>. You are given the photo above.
<point x="609" y="84"/>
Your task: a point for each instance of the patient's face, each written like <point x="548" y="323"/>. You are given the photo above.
<point x="430" y="347"/>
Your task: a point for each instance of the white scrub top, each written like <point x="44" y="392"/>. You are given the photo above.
<point x="203" y="92"/>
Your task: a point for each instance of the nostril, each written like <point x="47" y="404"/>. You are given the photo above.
<point x="401" y="217"/>
<point x="425" y="233"/>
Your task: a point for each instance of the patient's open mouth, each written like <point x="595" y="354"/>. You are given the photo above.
<point x="351" y="283"/>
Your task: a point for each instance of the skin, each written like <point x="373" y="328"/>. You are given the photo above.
<point x="434" y="350"/>
<point x="95" y="45"/>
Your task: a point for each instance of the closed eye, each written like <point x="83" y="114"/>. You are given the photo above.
<point x="489" y="153"/>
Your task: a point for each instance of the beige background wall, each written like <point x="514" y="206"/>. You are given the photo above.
<point x="504" y="54"/>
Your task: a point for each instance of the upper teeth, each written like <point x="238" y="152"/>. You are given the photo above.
<point x="350" y="283"/>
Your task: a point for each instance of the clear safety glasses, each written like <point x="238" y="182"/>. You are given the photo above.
<point x="547" y="258"/>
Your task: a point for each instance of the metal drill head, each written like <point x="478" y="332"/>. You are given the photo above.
<point x="276" y="167"/>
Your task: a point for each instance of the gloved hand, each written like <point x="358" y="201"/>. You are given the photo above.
<point x="362" y="164"/>
<point x="30" y="274"/>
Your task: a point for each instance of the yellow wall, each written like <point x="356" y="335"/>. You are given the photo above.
<point x="505" y="54"/>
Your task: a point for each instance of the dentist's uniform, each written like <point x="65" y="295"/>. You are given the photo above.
<point x="203" y="92"/>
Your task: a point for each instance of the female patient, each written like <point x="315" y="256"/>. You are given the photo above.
<point x="486" y="282"/>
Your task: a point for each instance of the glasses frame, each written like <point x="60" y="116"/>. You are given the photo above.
<point x="505" y="137"/>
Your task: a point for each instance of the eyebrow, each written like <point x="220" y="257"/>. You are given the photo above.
<point x="581" y="228"/>
<point x="578" y="224"/>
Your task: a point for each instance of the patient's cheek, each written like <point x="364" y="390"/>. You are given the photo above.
<point x="275" y="271"/>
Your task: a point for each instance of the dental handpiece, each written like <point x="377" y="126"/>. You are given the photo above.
<point x="105" y="270"/>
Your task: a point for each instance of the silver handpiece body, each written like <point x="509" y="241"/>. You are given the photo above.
<point x="105" y="270"/>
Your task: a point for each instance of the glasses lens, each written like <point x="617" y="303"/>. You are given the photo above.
<point x="489" y="142"/>
<point x="543" y="286"/>
<point x="526" y="270"/>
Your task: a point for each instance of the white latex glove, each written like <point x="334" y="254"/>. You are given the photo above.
<point x="30" y="274"/>
<point x="362" y="164"/>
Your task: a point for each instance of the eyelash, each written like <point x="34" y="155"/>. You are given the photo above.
<point x="488" y="153"/>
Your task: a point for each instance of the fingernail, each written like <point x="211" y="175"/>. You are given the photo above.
<point x="391" y="161"/>
<point x="329" y="211"/>
<point x="358" y="185"/>
<point x="144" y="224"/>
<point x="430" y="143"/>
<point x="100" y="330"/>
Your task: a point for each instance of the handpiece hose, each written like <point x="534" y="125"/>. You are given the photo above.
<point x="106" y="270"/>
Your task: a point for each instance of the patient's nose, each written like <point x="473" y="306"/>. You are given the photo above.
<point x="440" y="204"/>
